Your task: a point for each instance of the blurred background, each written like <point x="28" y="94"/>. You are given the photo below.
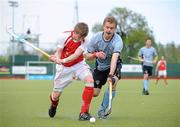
<point x="41" y="21"/>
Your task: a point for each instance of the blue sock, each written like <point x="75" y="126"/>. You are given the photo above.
<point x="146" y="84"/>
<point x="105" y="101"/>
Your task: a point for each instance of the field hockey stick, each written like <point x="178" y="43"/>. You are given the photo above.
<point x="20" y="39"/>
<point x="108" y="111"/>
<point x="136" y="59"/>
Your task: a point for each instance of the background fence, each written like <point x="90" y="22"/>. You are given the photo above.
<point x="10" y="49"/>
<point x="173" y="71"/>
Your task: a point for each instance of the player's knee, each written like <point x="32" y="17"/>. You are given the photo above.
<point x="89" y="79"/>
<point x="55" y="96"/>
<point x="95" y="94"/>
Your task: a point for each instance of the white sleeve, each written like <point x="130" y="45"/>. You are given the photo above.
<point x="61" y="39"/>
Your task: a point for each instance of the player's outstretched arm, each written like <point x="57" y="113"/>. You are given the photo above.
<point x="113" y="65"/>
<point x="91" y="56"/>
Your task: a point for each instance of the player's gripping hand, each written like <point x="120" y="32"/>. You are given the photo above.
<point x="112" y="79"/>
<point x="54" y="59"/>
<point x="100" y="55"/>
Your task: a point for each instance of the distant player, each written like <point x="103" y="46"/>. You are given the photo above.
<point x="161" y="70"/>
<point x="147" y="53"/>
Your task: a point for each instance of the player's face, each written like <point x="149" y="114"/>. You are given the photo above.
<point x="77" y="37"/>
<point x="109" y="29"/>
<point x="148" y="43"/>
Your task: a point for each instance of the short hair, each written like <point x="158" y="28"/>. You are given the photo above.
<point x="148" y="38"/>
<point x="110" y="19"/>
<point x="82" y="29"/>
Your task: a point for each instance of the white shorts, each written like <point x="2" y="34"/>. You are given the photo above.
<point x="65" y="75"/>
<point x="162" y="73"/>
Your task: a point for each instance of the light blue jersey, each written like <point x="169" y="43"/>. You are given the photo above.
<point x="97" y="43"/>
<point x="147" y="54"/>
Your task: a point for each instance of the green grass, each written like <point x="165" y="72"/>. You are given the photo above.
<point x="25" y="104"/>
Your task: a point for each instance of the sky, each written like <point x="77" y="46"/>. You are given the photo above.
<point x="50" y="17"/>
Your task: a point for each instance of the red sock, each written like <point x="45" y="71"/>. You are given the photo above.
<point x="157" y="78"/>
<point x="54" y="103"/>
<point x="86" y="98"/>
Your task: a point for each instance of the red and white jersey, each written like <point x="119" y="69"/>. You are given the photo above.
<point x="162" y="65"/>
<point x="69" y="46"/>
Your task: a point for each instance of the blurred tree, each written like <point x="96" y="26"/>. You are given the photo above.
<point x="4" y="60"/>
<point x="161" y="50"/>
<point x="97" y="27"/>
<point x="178" y="53"/>
<point x="171" y="53"/>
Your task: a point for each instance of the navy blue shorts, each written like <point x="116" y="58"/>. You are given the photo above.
<point x="147" y="70"/>
<point x="100" y="77"/>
